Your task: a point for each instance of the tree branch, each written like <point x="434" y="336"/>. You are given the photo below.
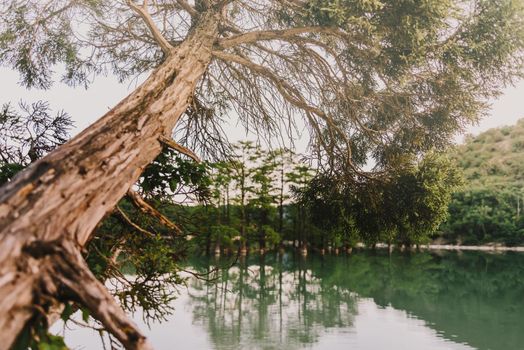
<point x="188" y="8"/>
<point x="293" y="96"/>
<point x="179" y="148"/>
<point x="274" y="35"/>
<point x="149" y="210"/>
<point x="128" y="221"/>
<point x="142" y="11"/>
<point x="71" y="271"/>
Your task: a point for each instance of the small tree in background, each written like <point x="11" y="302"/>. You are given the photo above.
<point x="241" y="172"/>
<point x="406" y="209"/>
<point x="283" y="162"/>
<point x="299" y="179"/>
<point x="263" y="198"/>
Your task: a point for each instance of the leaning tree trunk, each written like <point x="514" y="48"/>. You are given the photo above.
<point x="48" y="213"/>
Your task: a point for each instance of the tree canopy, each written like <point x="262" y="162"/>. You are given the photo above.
<point x="404" y="210"/>
<point x="371" y="79"/>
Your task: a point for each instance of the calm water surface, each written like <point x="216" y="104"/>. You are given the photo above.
<point x="444" y="300"/>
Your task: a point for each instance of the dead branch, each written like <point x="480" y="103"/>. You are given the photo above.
<point x="149" y="210"/>
<point x="130" y="222"/>
<point x="179" y="148"/>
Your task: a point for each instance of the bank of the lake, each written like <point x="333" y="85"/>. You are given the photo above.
<point x="495" y="247"/>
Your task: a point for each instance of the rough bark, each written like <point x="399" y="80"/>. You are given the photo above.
<point x="58" y="201"/>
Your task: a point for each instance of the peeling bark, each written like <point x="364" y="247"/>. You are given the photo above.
<point x="58" y="201"/>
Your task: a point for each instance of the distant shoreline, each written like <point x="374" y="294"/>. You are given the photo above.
<point x="496" y="248"/>
<point x="489" y="248"/>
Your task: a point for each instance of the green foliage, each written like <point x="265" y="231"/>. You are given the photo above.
<point x="224" y="235"/>
<point x="33" y="44"/>
<point x="418" y="198"/>
<point x="150" y="264"/>
<point x="493" y="158"/>
<point x="271" y="236"/>
<point x="406" y="208"/>
<point x="53" y="342"/>
<point x="406" y="27"/>
<point x="67" y="312"/>
<point x="35" y="336"/>
<point x="489" y="208"/>
<point x="250" y="199"/>
<point x="440" y="54"/>
<point x="8" y="171"/>
<point x="27" y="134"/>
<point x="381" y="80"/>
<point x="38" y="39"/>
<point x="170" y="173"/>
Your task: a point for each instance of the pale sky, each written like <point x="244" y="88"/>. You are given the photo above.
<point x="86" y="106"/>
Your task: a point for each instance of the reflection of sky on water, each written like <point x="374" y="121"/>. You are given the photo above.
<point x="403" y="303"/>
<point x="385" y="328"/>
<point x="294" y="310"/>
<point x="373" y="328"/>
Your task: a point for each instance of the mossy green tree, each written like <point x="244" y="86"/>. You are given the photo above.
<point x="241" y="166"/>
<point x="416" y="201"/>
<point x="222" y="232"/>
<point x="406" y="209"/>
<point x="282" y="161"/>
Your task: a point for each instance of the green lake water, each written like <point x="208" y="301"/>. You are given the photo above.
<point x="425" y="300"/>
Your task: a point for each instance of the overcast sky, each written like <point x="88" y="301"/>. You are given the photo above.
<point x="85" y="106"/>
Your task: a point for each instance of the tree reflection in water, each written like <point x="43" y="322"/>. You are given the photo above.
<point x="271" y="302"/>
<point x="287" y="301"/>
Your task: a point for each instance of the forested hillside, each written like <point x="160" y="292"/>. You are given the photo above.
<point x="489" y="206"/>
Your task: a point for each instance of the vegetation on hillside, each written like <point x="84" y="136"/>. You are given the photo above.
<point x="489" y="207"/>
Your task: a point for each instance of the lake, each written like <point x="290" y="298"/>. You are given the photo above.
<point x="367" y="300"/>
